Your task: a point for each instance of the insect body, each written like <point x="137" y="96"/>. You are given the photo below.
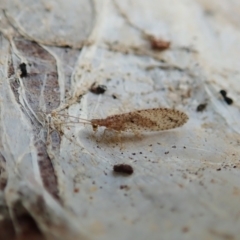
<point x="148" y="120"/>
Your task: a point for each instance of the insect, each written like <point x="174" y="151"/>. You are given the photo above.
<point x="227" y="99"/>
<point x="148" y="120"/>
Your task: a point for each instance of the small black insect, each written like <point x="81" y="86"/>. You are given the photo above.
<point x="227" y="99"/>
<point x="23" y="68"/>
<point x="223" y="93"/>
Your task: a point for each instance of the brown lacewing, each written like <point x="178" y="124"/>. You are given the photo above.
<point x="147" y="120"/>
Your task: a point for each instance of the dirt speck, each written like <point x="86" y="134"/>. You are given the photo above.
<point x="23" y="68"/>
<point x="201" y="107"/>
<point x="126" y="187"/>
<point x="97" y="89"/>
<point x="123" y="169"/>
<point x="185" y="229"/>
<point x="159" y="44"/>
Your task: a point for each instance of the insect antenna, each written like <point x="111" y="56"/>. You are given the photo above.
<point x="69" y="116"/>
<point x="66" y="123"/>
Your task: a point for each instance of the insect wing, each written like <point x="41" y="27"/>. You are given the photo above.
<point x="157" y="119"/>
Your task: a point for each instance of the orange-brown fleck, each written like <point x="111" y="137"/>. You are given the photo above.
<point x="159" y="44"/>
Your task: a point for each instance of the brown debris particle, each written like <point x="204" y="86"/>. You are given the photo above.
<point x="123" y="168"/>
<point x="201" y="107"/>
<point x="159" y="44"/>
<point x="185" y="229"/>
<point x="97" y="89"/>
<point x="124" y="187"/>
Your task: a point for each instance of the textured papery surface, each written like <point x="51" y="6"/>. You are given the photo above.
<point x="56" y="174"/>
